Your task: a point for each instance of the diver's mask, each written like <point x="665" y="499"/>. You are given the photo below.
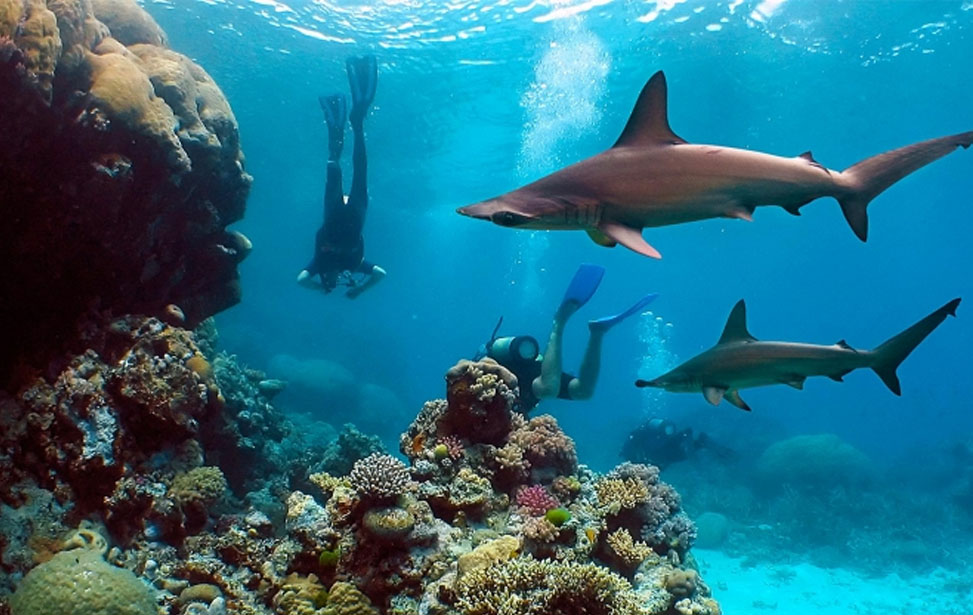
<point x="513" y="349"/>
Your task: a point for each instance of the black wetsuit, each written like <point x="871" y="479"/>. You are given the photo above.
<point x="338" y="246"/>
<point x="527" y="370"/>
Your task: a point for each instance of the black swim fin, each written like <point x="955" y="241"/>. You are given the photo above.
<point x="362" y="78"/>
<point x="335" y="110"/>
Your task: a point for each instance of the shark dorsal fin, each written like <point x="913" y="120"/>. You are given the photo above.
<point x="844" y="344"/>
<point x="736" y="325"/>
<point x="649" y="122"/>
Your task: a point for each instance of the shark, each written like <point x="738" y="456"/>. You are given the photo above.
<point x="651" y="177"/>
<point x="740" y="361"/>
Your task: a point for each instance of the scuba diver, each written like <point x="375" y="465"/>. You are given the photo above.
<point x="540" y="376"/>
<point x="660" y="443"/>
<point x="339" y="249"/>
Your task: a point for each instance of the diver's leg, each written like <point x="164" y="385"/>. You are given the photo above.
<point x="375" y="275"/>
<point x="583" y="387"/>
<point x="362" y="77"/>
<point x="584" y="283"/>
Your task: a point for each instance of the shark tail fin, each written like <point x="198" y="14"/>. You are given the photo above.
<point x="891" y="353"/>
<point x="868" y="178"/>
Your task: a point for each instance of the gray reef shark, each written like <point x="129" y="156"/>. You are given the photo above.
<point x="739" y="361"/>
<point x="651" y="177"/>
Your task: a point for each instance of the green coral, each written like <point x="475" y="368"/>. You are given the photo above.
<point x="81" y="582"/>
<point x="558" y="516"/>
<point x="526" y="586"/>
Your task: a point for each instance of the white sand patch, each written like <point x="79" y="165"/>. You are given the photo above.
<point x="805" y="589"/>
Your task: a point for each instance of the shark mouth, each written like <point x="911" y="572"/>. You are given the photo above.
<point x="488" y="211"/>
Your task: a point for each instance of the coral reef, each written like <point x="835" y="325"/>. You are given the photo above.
<point x="100" y="121"/>
<point x="812" y="461"/>
<point x="454" y="532"/>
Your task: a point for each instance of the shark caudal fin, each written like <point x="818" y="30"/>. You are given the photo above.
<point x="867" y="179"/>
<point x="890" y="354"/>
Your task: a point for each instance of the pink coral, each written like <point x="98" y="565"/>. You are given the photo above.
<point x="536" y="500"/>
<point x="453" y="446"/>
<point x="549" y="450"/>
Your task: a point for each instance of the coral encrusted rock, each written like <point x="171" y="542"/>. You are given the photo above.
<point x="120" y="169"/>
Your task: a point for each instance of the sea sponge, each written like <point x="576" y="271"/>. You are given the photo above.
<point x="40" y="42"/>
<point x="11" y="11"/>
<point x="80" y="582"/>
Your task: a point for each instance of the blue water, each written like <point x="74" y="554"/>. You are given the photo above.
<point x="476" y="98"/>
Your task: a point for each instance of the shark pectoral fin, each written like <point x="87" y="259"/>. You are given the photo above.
<point x="741" y="213"/>
<point x="840" y="376"/>
<point x="714" y="394"/>
<point x="601" y="239"/>
<point x="629" y="237"/>
<point x="734" y="398"/>
<point x="795" y="381"/>
<point x="649" y="123"/>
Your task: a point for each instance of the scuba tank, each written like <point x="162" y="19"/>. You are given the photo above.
<point x="513" y="349"/>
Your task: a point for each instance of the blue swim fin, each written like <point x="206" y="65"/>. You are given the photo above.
<point x="608" y="322"/>
<point x="362" y="78"/>
<point x="583" y="285"/>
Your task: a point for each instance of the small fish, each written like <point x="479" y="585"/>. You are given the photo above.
<point x="652" y="177"/>
<point x="740" y="361"/>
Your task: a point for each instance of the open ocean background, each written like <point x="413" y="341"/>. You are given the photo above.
<point x="476" y="98"/>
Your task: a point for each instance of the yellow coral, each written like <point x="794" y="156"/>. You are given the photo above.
<point x="327" y="483"/>
<point x="40" y="40"/>
<point x="345" y="599"/>
<point x="488" y="553"/>
<point x="11" y="12"/>
<point x="627" y="549"/>
<point x="200" y="366"/>
<point x="615" y="494"/>
<point x="300" y="595"/>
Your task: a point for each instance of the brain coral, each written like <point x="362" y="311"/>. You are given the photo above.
<point x="814" y="461"/>
<point x="80" y="582"/>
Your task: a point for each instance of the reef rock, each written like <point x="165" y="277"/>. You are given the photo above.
<point x="119" y="172"/>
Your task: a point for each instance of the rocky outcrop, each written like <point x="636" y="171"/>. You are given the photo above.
<point x="120" y="169"/>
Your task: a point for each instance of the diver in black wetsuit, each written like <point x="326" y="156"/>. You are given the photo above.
<point x="659" y="442"/>
<point x="339" y="249"/>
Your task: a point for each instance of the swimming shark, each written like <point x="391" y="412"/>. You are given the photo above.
<point x="739" y="361"/>
<point x="651" y="177"/>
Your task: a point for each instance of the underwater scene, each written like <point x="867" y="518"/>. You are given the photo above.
<point x="486" y="307"/>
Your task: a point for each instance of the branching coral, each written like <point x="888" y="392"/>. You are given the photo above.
<point x="630" y="552"/>
<point x="535" y="500"/>
<point x="615" y="495"/>
<point x="525" y="586"/>
<point x="380" y="477"/>
<point x="547" y="449"/>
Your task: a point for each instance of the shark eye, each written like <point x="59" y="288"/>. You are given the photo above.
<point x="506" y="218"/>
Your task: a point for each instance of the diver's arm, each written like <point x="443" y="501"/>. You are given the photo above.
<point x="376" y="275"/>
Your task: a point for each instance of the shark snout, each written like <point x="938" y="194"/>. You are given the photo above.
<point x="648" y="383"/>
<point x="495" y="211"/>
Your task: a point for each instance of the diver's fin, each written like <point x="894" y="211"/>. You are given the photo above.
<point x="713" y="394"/>
<point x="603" y="324"/>
<point x="335" y="110"/>
<point x="629" y="237"/>
<point x="736" y="325"/>
<point x="649" y="122"/>
<point x="362" y="78"/>
<point x="583" y="285"/>
<point x="892" y="352"/>
<point x="601" y="239"/>
<point x="733" y="396"/>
